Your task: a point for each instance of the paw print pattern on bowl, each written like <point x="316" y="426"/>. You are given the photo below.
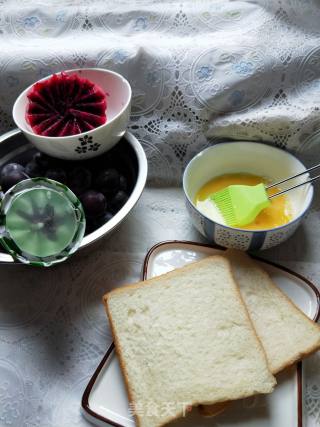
<point x="86" y="140"/>
<point x="94" y="147"/>
<point x="86" y="144"/>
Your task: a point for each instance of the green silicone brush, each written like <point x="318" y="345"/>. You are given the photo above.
<point x="241" y="204"/>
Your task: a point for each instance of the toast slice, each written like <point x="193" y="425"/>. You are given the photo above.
<point x="185" y="338"/>
<point x="285" y="332"/>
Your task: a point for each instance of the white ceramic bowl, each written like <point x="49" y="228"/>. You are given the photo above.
<point x="87" y="144"/>
<point x="246" y="157"/>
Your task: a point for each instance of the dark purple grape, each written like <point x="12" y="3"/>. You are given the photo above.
<point x="108" y="181"/>
<point x="33" y="169"/>
<point x="95" y="222"/>
<point x="79" y="179"/>
<point x="107" y="216"/>
<point x="57" y="174"/>
<point x="118" y="200"/>
<point x="42" y="160"/>
<point x="11" y="174"/>
<point x="11" y="167"/>
<point x="94" y="203"/>
<point x="123" y="183"/>
<point x="90" y="227"/>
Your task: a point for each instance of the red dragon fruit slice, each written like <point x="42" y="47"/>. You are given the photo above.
<point x="65" y="105"/>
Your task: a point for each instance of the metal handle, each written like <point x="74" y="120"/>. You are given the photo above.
<point x="292" y="177"/>
<point x="295" y="186"/>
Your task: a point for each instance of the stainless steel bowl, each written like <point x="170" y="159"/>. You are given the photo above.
<point x="15" y="147"/>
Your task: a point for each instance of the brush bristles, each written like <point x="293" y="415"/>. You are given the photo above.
<point x="223" y="202"/>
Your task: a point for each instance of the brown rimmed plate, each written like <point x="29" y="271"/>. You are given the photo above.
<point x="105" y="402"/>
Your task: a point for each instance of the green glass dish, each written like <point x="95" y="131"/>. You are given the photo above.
<point x="42" y="222"/>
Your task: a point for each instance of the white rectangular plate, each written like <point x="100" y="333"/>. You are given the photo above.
<point x="105" y="399"/>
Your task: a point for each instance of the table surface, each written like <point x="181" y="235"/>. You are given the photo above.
<point x="54" y="330"/>
<point x="199" y="74"/>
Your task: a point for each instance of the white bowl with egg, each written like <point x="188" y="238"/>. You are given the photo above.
<point x="274" y="164"/>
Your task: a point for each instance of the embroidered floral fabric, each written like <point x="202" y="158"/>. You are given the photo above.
<point x="201" y="71"/>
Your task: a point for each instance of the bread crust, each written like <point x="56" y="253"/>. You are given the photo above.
<point x="308" y="351"/>
<point x="172" y="273"/>
<point x="236" y="287"/>
<point x="121" y="361"/>
<point x="210" y="410"/>
<point x="153" y="281"/>
<point x="311" y="349"/>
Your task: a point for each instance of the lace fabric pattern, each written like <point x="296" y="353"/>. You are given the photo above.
<point x="201" y="72"/>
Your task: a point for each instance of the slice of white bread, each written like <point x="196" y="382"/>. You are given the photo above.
<point x="185" y="338"/>
<point x="285" y="332"/>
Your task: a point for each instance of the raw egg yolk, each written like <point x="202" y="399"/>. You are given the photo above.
<point x="275" y="215"/>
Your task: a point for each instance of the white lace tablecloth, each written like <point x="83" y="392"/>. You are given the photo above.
<point x="54" y="329"/>
<point x="201" y="71"/>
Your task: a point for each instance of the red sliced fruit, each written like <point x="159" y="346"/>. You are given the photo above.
<point x="65" y="105"/>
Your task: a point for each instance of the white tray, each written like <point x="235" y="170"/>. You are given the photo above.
<point x="105" y="402"/>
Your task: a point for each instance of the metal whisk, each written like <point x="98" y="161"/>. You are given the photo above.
<point x="292" y="177"/>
